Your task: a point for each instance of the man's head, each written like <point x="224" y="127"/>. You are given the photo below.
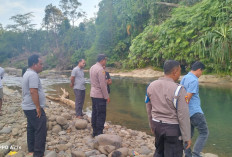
<point x="35" y="63"/>
<point x="81" y="63"/>
<point x="101" y="59"/>
<point x="172" y="69"/>
<point x="197" y="68"/>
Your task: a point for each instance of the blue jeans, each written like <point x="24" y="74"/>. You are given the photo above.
<point x="198" y="121"/>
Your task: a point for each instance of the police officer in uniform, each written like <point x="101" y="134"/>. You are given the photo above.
<point x="99" y="95"/>
<point x="168" y="112"/>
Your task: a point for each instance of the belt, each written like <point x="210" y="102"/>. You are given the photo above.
<point x="160" y="121"/>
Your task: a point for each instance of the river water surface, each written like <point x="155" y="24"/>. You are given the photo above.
<point x="127" y="108"/>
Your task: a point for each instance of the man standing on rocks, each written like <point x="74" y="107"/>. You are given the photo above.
<point x="1" y="88"/>
<point x="99" y="95"/>
<point x="168" y="112"/>
<point x="78" y="85"/>
<point x="32" y="105"/>
<point x="197" y="118"/>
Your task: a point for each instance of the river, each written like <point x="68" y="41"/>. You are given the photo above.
<point x="127" y="107"/>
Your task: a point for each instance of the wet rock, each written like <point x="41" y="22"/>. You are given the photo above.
<point x="6" y="130"/>
<point x="106" y="139"/>
<point x="61" y="120"/>
<point x="81" y="124"/>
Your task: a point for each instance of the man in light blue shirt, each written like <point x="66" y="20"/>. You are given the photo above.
<point x="197" y="118"/>
<point x="32" y="105"/>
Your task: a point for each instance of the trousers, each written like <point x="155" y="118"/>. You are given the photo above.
<point x="36" y="132"/>
<point x="167" y="140"/>
<point x="79" y="101"/>
<point x="98" y="115"/>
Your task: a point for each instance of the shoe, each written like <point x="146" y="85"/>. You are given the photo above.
<point x="79" y="117"/>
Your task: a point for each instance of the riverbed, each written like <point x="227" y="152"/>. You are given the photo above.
<point x="127" y="107"/>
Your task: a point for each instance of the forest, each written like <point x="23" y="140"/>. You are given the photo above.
<point x="132" y="33"/>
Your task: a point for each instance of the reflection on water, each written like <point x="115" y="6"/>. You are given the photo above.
<point x="127" y="108"/>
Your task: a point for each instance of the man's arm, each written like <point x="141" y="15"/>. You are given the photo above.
<point x="189" y="96"/>
<point x="72" y="79"/>
<point x="183" y="117"/>
<point x="103" y="84"/>
<point x="35" y="99"/>
<point x="148" y="106"/>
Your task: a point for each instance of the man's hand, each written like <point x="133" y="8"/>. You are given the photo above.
<point x="38" y="110"/>
<point x="152" y="131"/>
<point x="188" y="144"/>
<point x="108" y="101"/>
<point x="71" y="85"/>
<point x="109" y="82"/>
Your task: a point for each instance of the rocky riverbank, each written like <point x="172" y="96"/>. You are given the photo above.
<point x="68" y="136"/>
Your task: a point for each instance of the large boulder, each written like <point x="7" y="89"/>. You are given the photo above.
<point x="4" y="148"/>
<point x="106" y="139"/>
<point x="81" y="124"/>
<point x="144" y="150"/>
<point x="92" y="153"/>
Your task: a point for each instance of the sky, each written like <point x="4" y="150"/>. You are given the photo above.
<point x="9" y="8"/>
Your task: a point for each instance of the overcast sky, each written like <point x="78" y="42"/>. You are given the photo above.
<point x="10" y="8"/>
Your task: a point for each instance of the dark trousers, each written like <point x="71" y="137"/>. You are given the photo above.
<point x="36" y="132"/>
<point x="98" y="115"/>
<point x="79" y="101"/>
<point x="167" y="141"/>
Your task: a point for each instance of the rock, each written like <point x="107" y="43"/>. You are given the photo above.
<point x="124" y="151"/>
<point x="144" y="150"/>
<point x="81" y="124"/>
<point x="50" y="154"/>
<point x="115" y="154"/>
<point x="62" y="147"/>
<point x="18" y="154"/>
<point x="52" y="118"/>
<point x="49" y="125"/>
<point x="109" y="148"/>
<point x="92" y="153"/>
<point x="56" y="129"/>
<point x="4" y="148"/>
<point x="106" y="139"/>
<point x="6" y="130"/>
<point x="102" y="150"/>
<point x="15" y="131"/>
<point x="61" y="120"/>
<point x="78" y="154"/>
<point x="65" y="127"/>
<point x="66" y="116"/>
<point x="1" y="126"/>
<point x="102" y="155"/>
<point x="62" y="133"/>
<point x="209" y="155"/>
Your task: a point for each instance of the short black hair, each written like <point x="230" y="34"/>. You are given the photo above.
<point x="197" y="65"/>
<point x="169" y="65"/>
<point x="101" y="57"/>
<point x="33" y="59"/>
<point x="80" y="60"/>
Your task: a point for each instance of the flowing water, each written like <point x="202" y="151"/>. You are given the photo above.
<point x="127" y="108"/>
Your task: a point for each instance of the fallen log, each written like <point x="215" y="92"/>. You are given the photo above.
<point x="63" y="98"/>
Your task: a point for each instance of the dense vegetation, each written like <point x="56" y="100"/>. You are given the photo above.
<point x="133" y="34"/>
